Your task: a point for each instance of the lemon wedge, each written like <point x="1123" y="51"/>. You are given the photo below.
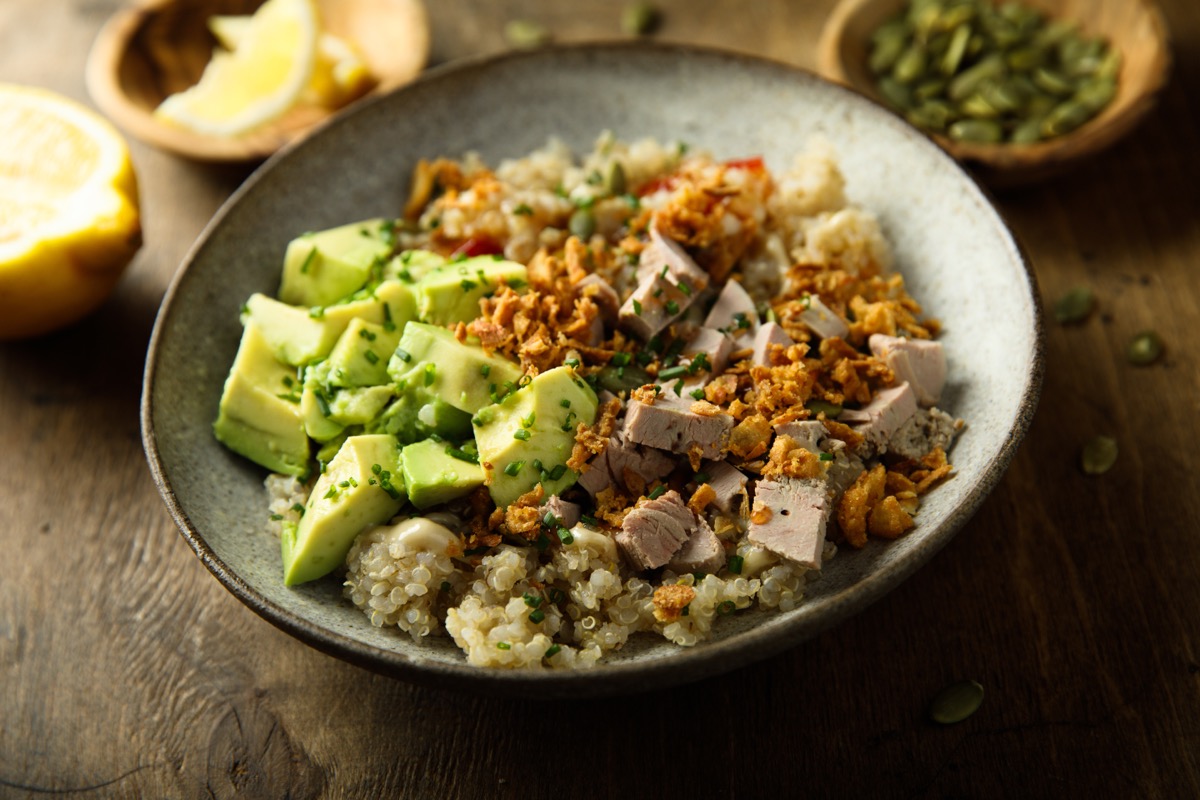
<point x="256" y="82"/>
<point x="339" y="73"/>
<point x="69" y="220"/>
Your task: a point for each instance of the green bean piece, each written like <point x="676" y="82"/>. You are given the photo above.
<point x="983" y="131"/>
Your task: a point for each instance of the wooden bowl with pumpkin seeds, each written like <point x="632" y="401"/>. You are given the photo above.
<point x="1017" y="90"/>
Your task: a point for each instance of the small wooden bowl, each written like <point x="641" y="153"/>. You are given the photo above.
<point x="1134" y="27"/>
<point x="156" y="48"/>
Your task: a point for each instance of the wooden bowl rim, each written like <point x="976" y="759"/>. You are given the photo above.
<point x="110" y="49"/>
<point x="1011" y="164"/>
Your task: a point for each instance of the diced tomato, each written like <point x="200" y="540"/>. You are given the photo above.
<point x="478" y="246"/>
<point x="753" y="164"/>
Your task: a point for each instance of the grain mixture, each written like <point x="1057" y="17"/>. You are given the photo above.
<point x="766" y="391"/>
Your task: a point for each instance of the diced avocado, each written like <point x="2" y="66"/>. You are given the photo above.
<point x="360" y="357"/>
<point x="259" y="416"/>
<point x="412" y="265"/>
<point x="451" y="293"/>
<point x="362" y="486"/>
<point x="416" y="414"/>
<point x="321" y="268"/>
<point x="316" y="404"/>
<point x="359" y="405"/>
<point x="528" y="437"/>
<point x="300" y="335"/>
<point x="461" y="374"/>
<point x="432" y="475"/>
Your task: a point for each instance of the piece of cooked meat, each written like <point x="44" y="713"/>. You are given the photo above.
<point x="702" y="552"/>
<point x="729" y="484"/>
<point x="789" y="517"/>
<point x="882" y="417"/>
<point x="920" y="362"/>
<point x="672" y="423"/>
<point x="654" y="531"/>
<point x="768" y="334"/>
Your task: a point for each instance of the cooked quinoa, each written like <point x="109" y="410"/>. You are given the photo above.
<point x="830" y="337"/>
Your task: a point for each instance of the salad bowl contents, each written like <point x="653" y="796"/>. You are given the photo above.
<point x="609" y="403"/>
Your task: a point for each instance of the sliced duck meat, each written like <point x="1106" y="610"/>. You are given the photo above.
<point x="665" y="257"/>
<point x="808" y="433"/>
<point x="566" y="512"/>
<point x="729" y="483"/>
<point x="734" y="312"/>
<point x="679" y="424"/>
<point x="714" y="346"/>
<point x="768" y="334"/>
<point x="624" y="463"/>
<point x="925" y="430"/>
<point x="920" y="362"/>
<point x="789" y="517"/>
<point x="602" y="294"/>
<point x="702" y="552"/>
<point x="882" y="417"/>
<point x="653" y="532"/>
<point x="822" y="320"/>
<point x="668" y="283"/>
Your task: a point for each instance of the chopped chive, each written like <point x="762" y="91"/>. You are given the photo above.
<point x="521" y="434"/>
<point x="565" y="536"/>
<point x="565" y="403"/>
<point x="312" y="254"/>
<point x="589" y="521"/>
<point x="467" y="285"/>
<point x="322" y="404"/>
<point x="485" y="369"/>
<point x="637" y="307"/>
<point x="536" y="616"/>
<point x="678" y="387"/>
<point x="316" y="312"/>
<point x="657" y="491"/>
<point x="276" y="517"/>
<point x="513" y="468"/>
<point x="445" y="586"/>
<point x="462" y="455"/>
<point x="552" y="650"/>
<point x="366" y="334"/>
<point x="299" y="509"/>
<point x="522" y="210"/>
<point x="697" y="394"/>
<point x="735" y="564"/>
<point x="430" y="372"/>
<point x="558" y="471"/>
<point x="572" y="362"/>
<point x="672" y="307"/>
<point x="701" y="477"/>
<point x="670" y="373"/>
<point x="403" y="355"/>
<point x="537" y="465"/>
<point x="388" y="324"/>
<point x="332" y="493"/>
<point x="683" y="287"/>
<point x="503" y="646"/>
<point x="556" y="595"/>
<point x="825" y="457"/>
<point x="527" y="422"/>
<point x="542" y="542"/>
<point x="370" y="356"/>
<point x="531" y="600"/>
<point x="726" y="608"/>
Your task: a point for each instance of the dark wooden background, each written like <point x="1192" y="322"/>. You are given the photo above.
<point x="126" y="670"/>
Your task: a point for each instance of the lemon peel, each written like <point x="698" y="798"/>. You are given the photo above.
<point x="69" y="214"/>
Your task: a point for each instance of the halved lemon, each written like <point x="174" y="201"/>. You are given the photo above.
<point x="257" y="81"/>
<point x="69" y="221"/>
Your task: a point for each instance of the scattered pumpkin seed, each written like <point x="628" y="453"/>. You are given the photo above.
<point x="639" y="19"/>
<point x="526" y="34"/>
<point x="615" y="179"/>
<point x="1035" y="77"/>
<point x="1098" y="455"/>
<point x="1144" y="349"/>
<point x="1074" y="306"/>
<point x="956" y="702"/>
<point x="582" y="223"/>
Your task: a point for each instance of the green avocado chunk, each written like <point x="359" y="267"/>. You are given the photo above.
<point x="432" y="475"/>
<point x="360" y="357"/>
<point x="321" y="268"/>
<point x="316" y="404"/>
<point x="527" y="438"/>
<point x="299" y="335"/>
<point x="362" y="486"/>
<point x="463" y="375"/>
<point x="416" y="414"/>
<point x="259" y="415"/>
<point x="451" y="293"/>
<point x="412" y="265"/>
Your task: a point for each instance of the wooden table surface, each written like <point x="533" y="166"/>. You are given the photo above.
<point x="126" y="670"/>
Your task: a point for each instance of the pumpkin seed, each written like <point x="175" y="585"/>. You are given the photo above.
<point x="969" y="80"/>
<point x="984" y="131"/>
<point x="1027" y="132"/>
<point x="887" y="52"/>
<point x="934" y="115"/>
<point x="1096" y="93"/>
<point x="910" y="65"/>
<point x="615" y="180"/>
<point x="1144" y="349"/>
<point x="895" y="93"/>
<point x="525" y="34"/>
<point x="623" y="379"/>
<point x="929" y="89"/>
<point x="977" y="107"/>
<point x="1075" y="305"/>
<point x="955" y="50"/>
<point x="639" y="19"/>
<point x="1053" y="82"/>
<point x="1098" y="455"/>
<point x="1065" y="118"/>
<point x="582" y="223"/>
<point x="830" y="410"/>
<point x="956" y="702"/>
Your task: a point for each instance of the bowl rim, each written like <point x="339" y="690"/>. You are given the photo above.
<point x="1001" y="164"/>
<point x="607" y="678"/>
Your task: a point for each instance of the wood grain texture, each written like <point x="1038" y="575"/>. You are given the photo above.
<point x="127" y="671"/>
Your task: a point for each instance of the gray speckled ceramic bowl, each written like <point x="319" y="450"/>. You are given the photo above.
<point x="957" y="255"/>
